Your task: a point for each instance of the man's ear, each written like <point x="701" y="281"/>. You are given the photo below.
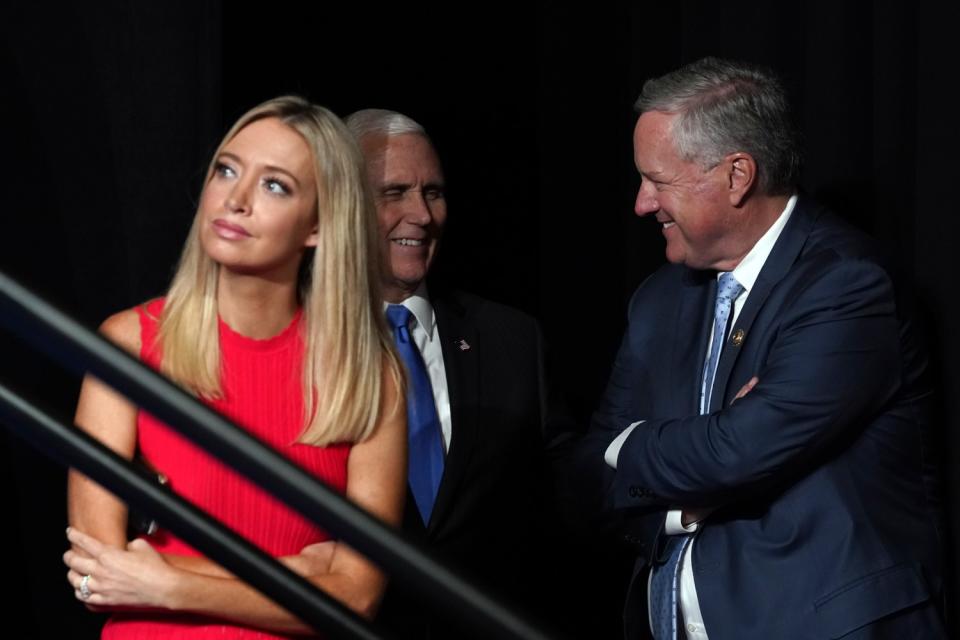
<point x="741" y="176"/>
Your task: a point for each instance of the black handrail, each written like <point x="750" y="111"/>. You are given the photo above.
<point x="73" y="447"/>
<point x="82" y="350"/>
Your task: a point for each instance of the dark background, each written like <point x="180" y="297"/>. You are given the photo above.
<point x="111" y="110"/>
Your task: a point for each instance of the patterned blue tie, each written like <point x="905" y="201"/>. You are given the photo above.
<point x="664" y="582"/>
<point x="728" y="289"/>
<point x="425" y="467"/>
<point x="663" y="589"/>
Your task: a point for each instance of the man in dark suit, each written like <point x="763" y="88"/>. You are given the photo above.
<point x="480" y="509"/>
<point x="766" y="422"/>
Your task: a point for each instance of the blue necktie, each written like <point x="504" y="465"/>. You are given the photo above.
<point x="425" y="467"/>
<point x="728" y="289"/>
<point x="664" y="582"/>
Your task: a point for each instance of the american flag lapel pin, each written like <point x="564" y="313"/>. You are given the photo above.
<point x="462" y="345"/>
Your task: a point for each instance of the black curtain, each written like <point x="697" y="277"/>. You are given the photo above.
<point x="112" y="109"/>
<point x="109" y="111"/>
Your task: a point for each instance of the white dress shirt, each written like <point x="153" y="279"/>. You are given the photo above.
<point x="746" y="274"/>
<point x="423" y="329"/>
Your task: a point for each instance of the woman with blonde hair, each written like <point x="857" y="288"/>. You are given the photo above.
<point x="273" y="318"/>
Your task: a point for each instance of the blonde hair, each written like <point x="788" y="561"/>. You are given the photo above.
<point x="347" y="347"/>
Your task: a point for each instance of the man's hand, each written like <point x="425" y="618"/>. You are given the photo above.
<point x="691" y="516"/>
<point x="747" y="388"/>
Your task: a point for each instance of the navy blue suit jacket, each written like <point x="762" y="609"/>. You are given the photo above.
<point x="826" y="518"/>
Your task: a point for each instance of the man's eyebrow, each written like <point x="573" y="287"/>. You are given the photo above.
<point x="388" y="186"/>
<point x="409" y="186"/>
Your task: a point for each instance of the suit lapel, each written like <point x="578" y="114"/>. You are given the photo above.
<point x="461" y="356"/>
<point x="778" y="263"/>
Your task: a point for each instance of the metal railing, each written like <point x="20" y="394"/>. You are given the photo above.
<point x="75" y="448"/>
<point x="82" y="350"/>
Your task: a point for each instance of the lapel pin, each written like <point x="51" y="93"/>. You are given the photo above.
<point x="462" y="345"/>
<point x="737" y="338"/>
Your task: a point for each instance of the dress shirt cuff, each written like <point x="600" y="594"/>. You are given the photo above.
<point x="673" y="526"/>
<point x="613" y="450"/>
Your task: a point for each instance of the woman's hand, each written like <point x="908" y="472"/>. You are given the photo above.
<point x="137" y="576"/>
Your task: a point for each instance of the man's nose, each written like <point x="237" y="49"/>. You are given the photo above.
<point x="646" y="202"/>
<point x="418" y="208"/>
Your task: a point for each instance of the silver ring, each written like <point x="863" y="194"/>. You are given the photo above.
<point x="85" y="587"/>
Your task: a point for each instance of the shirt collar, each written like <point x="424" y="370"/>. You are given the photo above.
<point x="749" y="268"/>
<point x="419" y="305"/>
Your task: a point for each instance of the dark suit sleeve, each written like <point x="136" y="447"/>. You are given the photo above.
<point x="588" y="479"/>
<point x="620" y="405"/>
<point x="832" y="361"/>
<point x="618" y="409"/>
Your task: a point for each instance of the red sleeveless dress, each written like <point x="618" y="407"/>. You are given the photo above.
<point x="260" y="380"/>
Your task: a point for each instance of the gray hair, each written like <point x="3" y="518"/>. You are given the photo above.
<point x="382" y="122"/>
<point x="725" y="107"/>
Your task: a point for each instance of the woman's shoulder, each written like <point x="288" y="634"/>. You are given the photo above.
<point x="125" y="328"/>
